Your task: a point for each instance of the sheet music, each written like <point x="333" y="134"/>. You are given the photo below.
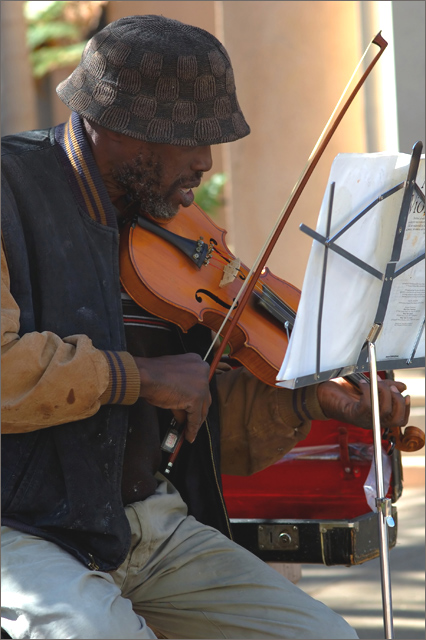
<point x="351" y="294"/>
<point x="406" y="307"/>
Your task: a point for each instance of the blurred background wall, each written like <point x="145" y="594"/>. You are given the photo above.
<point x="292" y="61"/>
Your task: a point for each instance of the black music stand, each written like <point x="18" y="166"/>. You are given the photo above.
<point x="403" y="315"/>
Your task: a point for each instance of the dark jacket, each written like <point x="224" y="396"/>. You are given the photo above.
<point x="63" y="483"/>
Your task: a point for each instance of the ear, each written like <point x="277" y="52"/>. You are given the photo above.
<point x="119" y="141"/>
<point x="95" y="130"/>
<point x="114" y="136"/>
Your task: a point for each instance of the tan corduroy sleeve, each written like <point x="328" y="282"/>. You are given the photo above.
<point x="259" y="423"/>
<point x="48" y="381"/>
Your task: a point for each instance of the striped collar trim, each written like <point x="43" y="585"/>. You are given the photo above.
<point x="83" y="172"/>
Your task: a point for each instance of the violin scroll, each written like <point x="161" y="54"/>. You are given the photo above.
<point x="411" y="439"/>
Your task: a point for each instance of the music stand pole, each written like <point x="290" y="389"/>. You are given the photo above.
<point x="387" y="278"/>
<point x="384" y="505"/>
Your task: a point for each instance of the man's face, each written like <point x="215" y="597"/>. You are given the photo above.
<point x="160" y="177"/>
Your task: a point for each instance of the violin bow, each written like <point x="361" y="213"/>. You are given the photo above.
<point x="252" y="277"/>
<point x="245" y="292"/>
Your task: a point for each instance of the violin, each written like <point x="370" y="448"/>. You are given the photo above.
<point x="188" y="275"/>
<point x="226" y="284"/>
<point x="184" y="272"/>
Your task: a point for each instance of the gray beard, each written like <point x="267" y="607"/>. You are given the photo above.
<point x="141" y="182"/>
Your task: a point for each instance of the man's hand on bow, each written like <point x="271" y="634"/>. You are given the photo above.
<point x="179" y="383"/>
<point x="340" y="400"/>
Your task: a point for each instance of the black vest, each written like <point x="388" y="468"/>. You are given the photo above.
<point x="63" y="483"/>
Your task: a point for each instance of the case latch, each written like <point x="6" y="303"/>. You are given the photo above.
<point x="278" y="537"/>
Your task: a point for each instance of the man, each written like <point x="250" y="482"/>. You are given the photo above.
<point x="96" y="542"/>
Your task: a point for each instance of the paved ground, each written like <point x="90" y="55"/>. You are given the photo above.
<point x="355" y="592"/>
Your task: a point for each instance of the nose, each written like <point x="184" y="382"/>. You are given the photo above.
<point x="202" y="159"/>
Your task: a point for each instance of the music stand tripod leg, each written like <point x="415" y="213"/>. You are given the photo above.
<point x="384" y="505"/>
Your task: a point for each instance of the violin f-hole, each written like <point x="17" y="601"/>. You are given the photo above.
<point x="211" y="295"/>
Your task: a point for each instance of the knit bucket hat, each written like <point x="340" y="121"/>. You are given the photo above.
<point x="157" y="80"/>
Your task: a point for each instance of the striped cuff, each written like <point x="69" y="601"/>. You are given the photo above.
<point x="304" y="405"/>
<point x="307" y="400"/>
<point x="124" y="380"/>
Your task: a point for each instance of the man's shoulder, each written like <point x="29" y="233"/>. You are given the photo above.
<point x="26" y="141"/>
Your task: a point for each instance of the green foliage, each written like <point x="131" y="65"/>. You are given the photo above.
<point x="39" y="34"/>
<point x="34" y="11"/>
<point x="50" y="58"/>
<point x="56" y="36"/>
<point x="209" y="194"/>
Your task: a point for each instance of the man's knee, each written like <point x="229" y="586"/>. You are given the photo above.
<point x="81" y="625"/>
<point x="108" y="617"/>
<point x="333" y="627"/>
<point x="113" y="628"/>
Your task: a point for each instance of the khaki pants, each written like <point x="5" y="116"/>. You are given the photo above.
<point x="181" y="578"/>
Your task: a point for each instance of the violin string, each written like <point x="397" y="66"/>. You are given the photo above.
<point x="218" y="260"/>
<point x="265" y="292"/>
<point x="259" y="288"/>
<point x="268" y="294"/>
<point x="219" y="268"/>
<point x="216" y="250"/>
<point x="262" y="291"/>
<point x="221" y="257"/>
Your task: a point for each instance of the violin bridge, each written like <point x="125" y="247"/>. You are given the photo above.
<point x="230" y="272"/>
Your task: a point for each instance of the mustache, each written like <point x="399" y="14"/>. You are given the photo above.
<point x="184" y="180"/>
